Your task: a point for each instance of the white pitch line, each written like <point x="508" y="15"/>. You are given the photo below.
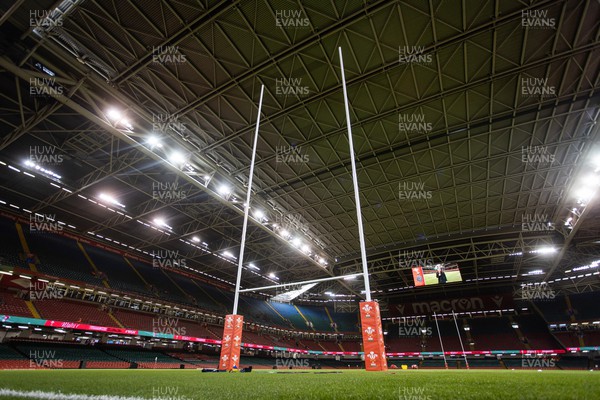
<point x="38" y="394"/>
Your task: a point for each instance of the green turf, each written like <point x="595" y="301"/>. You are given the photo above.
<point x="266" y="385"/>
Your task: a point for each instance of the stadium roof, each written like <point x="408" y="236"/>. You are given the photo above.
<point x="474" y="125"/>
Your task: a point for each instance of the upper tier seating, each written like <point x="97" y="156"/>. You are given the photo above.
<point x="120" y="275"/>
<point x="494" y="333"/>
<point x="73" y="311"/>
<point x="289" y="312"/>
<point x="585" y="306"/>
<point x="60" y="256"/>
<point x="536" y="332"/>
<point x="12" y="305"/>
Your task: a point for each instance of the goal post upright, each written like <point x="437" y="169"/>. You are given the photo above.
<point x="370" y="316"/>
<point x="231" y="344"/>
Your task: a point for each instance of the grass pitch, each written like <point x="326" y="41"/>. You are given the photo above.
<point x="451" y="276"/>
<point x="299" y="385"/>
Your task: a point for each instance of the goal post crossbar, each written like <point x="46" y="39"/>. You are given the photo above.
<point x="330" y="278"/>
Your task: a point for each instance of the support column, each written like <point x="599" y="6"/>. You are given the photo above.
<point x="231" y="345"/>
<point x="372" y="336"/>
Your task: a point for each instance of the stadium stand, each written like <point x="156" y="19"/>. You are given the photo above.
<point x="146" y="359"/>
<point x="73" y="311"/>
<point x="536" y="333"/>
<point x="61" y="257"/>
<point x="11" y="304"/>
<point x="494" y="333"/>
<point x="120" y="275"/>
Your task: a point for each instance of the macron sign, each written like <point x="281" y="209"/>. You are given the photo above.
<point x="463" y="304"/>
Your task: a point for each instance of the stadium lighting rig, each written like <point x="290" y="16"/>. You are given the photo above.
<point x="45" y="171"/>
<point x="110" y="199"/>
<point x="160" y="222"/>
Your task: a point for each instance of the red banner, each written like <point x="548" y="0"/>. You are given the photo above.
<point x="231" y="344"/>
<point x="418" y="276"/>
<point x="372" y="335"/>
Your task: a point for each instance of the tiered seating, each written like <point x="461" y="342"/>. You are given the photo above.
<point x="449" y="337"/>
<point x="73" y="311"/>
<point x="439" y="363"/>
<point x="318" y="317"/>
<point x="329" y="346"/>
<point x="289" y="312"/>
<point x="191" y="360"/>
<point x="145" y="359"/>
<point x="536" y="331"/>
<point x="259" y="311"/>
<point x="572" y="363"/>
<point x="19" y="364"/>
<point x="12" y="305"/>
<point x="354" y="345"/>
<point x="347" y="322"/>
<point x="484" y="363"/>
<point x="591" y="338"/>
<point x="554" y="311"/>
<point x="585" y="305"/>
<point x="12" y="359"/>
<point x="62" y="356"/>
<point x="258" y="362"/>
<point x="494" y="333"/>
<point x="161" y="284"/>
<point x="567" y="339"/>
<point x="162" y="324"/>
<point x="223" y="298"/>
<point x="399" y="345"/>
<point x="255" y="338"/>
<point x="195" y="290"/>
<point x="135" y="320"/>
<point x="64" y="352"/>
<point x="10" y="246"/>
<point x="107" y="364"/>
<point x="120" y="275"/>
<point x="59" y="256"/>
